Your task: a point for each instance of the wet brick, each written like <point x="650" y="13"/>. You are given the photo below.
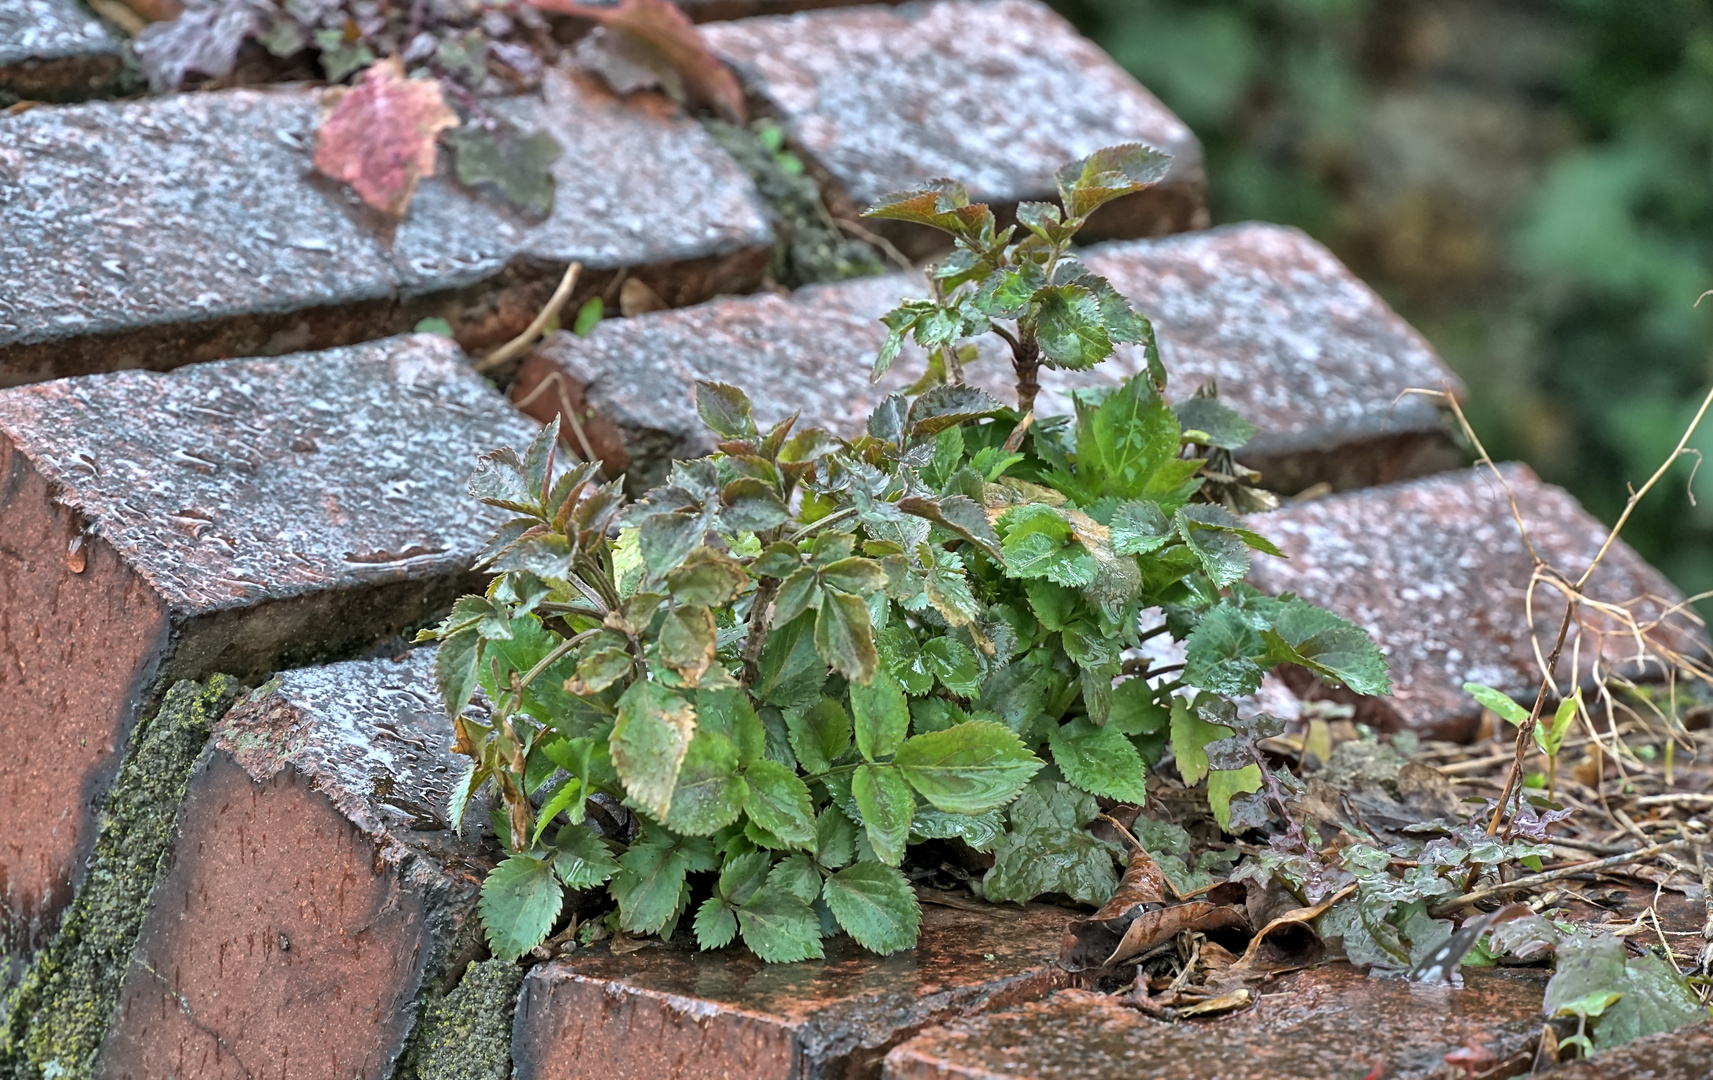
<point x="1327" y="1022"/>
<point x="234" y="517"/>
<point x="1435" y="570"/>
<point x="192" y="227"/>
<point x="1684" y="1054"/>
<point x="315" y="892"/>
<point x="668" y="1013"/>
<point x="54" y="50"/>
<point x="1293" y="340"/>
<point x="997" y="95"/>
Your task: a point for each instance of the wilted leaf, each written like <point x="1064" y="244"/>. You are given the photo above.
<point x="518" y="165"/>
<point x="379" y="135"/>
<point x="649" y="742"/>
<point x="664" y="27"/>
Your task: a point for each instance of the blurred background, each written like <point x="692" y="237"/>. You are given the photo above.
<point x="1529" y="182"/>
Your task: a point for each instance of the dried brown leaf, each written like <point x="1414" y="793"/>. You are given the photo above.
<point x="1137" y="918"/>
<point x="379" y="135"/>
<point x="1297" y="917"/>
<point x="665" y="28"/>
<point x="1150" y="928"/>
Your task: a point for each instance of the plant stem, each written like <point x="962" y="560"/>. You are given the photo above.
<point x="765" y="590"/>
<point x="837" y="515"/>
<point x="1549" y="876"/>
<point x="1026" y="362"/>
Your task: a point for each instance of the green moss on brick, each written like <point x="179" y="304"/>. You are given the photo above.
<point x="57" y="1016"/>
<point x="467" y="1035"/>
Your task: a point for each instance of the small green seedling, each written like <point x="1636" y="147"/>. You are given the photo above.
<point x="1549" y="736"/>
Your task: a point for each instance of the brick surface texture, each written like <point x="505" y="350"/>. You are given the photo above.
<point x="54" y="49"/>
<point x="1436" y="571"/>
<point x="997" y="95"/>
<point x="228" y="517"/>
<point x="671" y="1014"/>
<point x="321" y="801"/>
<point x="192" y="227"/>
<point x="1305" y="1028"/>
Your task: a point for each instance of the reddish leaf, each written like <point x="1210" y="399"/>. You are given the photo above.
<point x="662" y="26"/>
<point x="378" y="136"/>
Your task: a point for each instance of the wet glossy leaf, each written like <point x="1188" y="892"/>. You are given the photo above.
<point x="980" y="831"/>
<point x="1139" y="528"/>
<point x="1220" y="654"/>
<point x="649" y="741"/>
<point x="946" y="406"/>
<point x="707" y="577"/>
<point x="880" y="715"/>
<point x="1333" y="648"/>
<point x="844" y="636"/>
<point x="725" y="409"/>
<point x="875" y="906"/>
<point x="1190" y="736"/>
<point x="790" y="673"/>
<point x="1100" y="761"/>
<point x="820" y="735"/>
<point x="954" y="664"/>
<point x="956" y="514"/>
<point x="666" y="539"/>
<point x="969" y="768"/>
<point x="1072" y="333"/>
<point x="517" y="165"/>
<point x="716" y="924"/>
<point x="778" y="801"/>
<point x="1046" y="849"/>
<point x="650" y="880"/>
<point x="520" y="903"/>
<point x="1225" y="785"/>
<point x="886" y="804"/>
<point x="752" y="505"/>
<point x="779" y="926"/>
<point x="379" y="135"/>
<point x="581" y="858"/>
<point x="1108" y="173"/>
<point x="455" y="667"/>
<point x="709" y="791"/>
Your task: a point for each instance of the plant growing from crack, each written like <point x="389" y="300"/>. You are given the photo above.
<point x="804" y="654"/>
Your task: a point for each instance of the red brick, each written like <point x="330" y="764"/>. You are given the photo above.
<point x="672" y="1014"/>
<point x="1327" y="1022"/>
<point x="1685" y="1054"/>
<point x="997" y="95"/>
<point x="192" y="227"/>
<point x="1435" y="570"/>
<point x="1294" y="341"/>
<point x="315" y="892"/>
<point x="714" y="10"/>
<point x="233" y="517"/>
<point x="54" y="50"/>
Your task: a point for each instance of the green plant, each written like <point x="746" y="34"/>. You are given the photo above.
<point x="1549" y="737"/>
<point x="803" y="653"/>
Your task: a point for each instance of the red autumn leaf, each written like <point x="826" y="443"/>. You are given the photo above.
<point x="378" y="136"/>
<point x="664" y="27"/>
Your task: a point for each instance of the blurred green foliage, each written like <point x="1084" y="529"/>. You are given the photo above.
<point x="1530" y="182"/>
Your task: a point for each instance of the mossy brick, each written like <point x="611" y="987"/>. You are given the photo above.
<point x="193" y="227"/>
<point x="995" y="94"/>
<point x="1684" y="1054"/>
<point x="238" y="517"/>
<point x="1292" y="340"/>
<point x="54" y="50"/>
<point x="1325" y="1022"/>
<point x="1436" y="571"/>
<point x="316" y="898"/>
<point x="54" y="1019"/>
<point x="669" y="1013"/>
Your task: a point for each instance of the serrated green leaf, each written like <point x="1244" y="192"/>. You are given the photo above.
<point x="1220" y="654"/>
<point x="649" y="741"/>
<point x="728" y="712"/>
<point x="707" y="578"/>
<point x="901" y="654"/>
<point x="778" y="801"/>
<point x="779" y="927"/>
<point x="743" y="875"/>
<point x="1127" y="445"/>
<point x="1107" y="174"/>
<point x="844" y="636"/>
<point x="968" y="768"/>
<point x="601" y="669"/>
<point x="954" y="664"/>
<point x="1211" y="422"/>
<point x="517" y="165"/>
<point x="716" y="924"/>
<point x="1100" y="761"/>
<point x="749" y="504"/>
<point x="880" y="716"/>
<point x="940" y="204"/>
<point x="796" y="874"/>
<point x="980" y="831"/>
<point x="956" y="514"/>
<point x="499" y="481"/>
<point x="520" y="903"/>
<point x="1139" y="528"/>
<point x="835" y="838"/>
<point x="666" y="539"/>
<point x="1333" y="648"/>
<point x="947" y="406"/>
<point x="455" y="668"/>
<point x="1072" y="333"/>
<point x="875" y="906"/>
<point x="725" y="410"/>
<point x="1047" y="850"/>
<point x="883" y="797"/>
<point x="857" y="576"/>
<point x="709" y="792"/>
<point x="790" y="673"/>
<point x="649" y="882"/>
<point x="820" y="735"/>
<point x="581" y="858"/>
